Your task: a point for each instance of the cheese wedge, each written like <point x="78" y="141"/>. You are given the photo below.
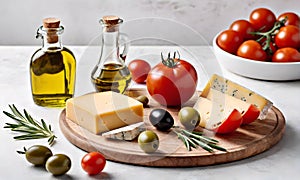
<point x="104" y="111"/>
<point x="213" y="114"/>
<point x="127" y="133"/>
<point x="235" y="90"/>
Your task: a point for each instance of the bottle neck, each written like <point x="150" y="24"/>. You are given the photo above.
<point x="51" y="38"/>
<point x="49" y="45"/>
<point x="110" y="47"/>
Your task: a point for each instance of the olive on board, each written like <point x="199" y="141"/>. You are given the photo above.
<point x="58" y="164"/>
<point x="37" y="154"/>
<point x="189" y="117"/>
<point x="143" y="99"/>
<point x="148" y="141"/>
<point x="161" y="119"/>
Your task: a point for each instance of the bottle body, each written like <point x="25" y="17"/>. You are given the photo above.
<point x="112" y="77"/>
<point x="52" y="74"/>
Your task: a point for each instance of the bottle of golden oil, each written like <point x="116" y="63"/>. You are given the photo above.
<point x="111" y="73"/>
<point x="52" y="67"/>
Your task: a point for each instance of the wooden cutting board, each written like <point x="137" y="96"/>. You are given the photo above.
<point x="247" y="141"/>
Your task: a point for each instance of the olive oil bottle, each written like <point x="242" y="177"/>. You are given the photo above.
<point x="52" y="67"/>
<point x="111" y="73"/>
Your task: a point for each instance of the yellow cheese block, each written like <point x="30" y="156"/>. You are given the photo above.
<point x="104" y="111"/>
<point x="235" y="90"/>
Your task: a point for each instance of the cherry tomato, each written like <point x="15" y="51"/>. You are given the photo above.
<point x="139" y="70"/>
<point x="288" y="36"/>
<point x="251" y="114"/>
<point x="287" y="54"/>
<point x="262" y="19"/>
<point x="292" y="18"/>
<point x="229" y="41"/>
<point x="244" y="27"/>
<point x="93" y="163"/>
<point x="172" y="82"/>
<point x="251" y="49"/>
<point x="230" y="124"/>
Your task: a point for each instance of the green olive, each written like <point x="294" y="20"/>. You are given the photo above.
<point x="189" y="117"/>
<point x="148" y="141"/>
<point x="143" y="99"/>
<point x="38" y="154"/>
<point x="58" y="164"/>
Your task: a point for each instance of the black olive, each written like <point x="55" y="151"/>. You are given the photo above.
<point x="161" y="119"/>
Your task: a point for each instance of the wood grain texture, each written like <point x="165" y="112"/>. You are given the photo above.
<point x="247" y="141"/>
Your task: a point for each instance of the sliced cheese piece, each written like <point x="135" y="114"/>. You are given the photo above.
<point x="235" y="90"/>
<point x="127" y="133"/>
<point x="212" y="113"/>
<point x="104" y="111"/>
<point x="225" y="100"/>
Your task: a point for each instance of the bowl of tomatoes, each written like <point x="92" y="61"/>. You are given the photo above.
<point x="263" y="47"/>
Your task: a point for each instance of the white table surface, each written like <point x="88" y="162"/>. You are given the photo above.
<point x="280" y="162"/>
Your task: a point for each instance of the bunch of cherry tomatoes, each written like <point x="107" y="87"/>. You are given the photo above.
<point x="264" y="37"/>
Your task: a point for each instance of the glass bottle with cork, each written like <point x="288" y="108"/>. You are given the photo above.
<point x="52" y="67"/>
<point x="111" y="73"/>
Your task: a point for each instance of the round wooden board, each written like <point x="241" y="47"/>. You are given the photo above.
<point x="247" y="141"/>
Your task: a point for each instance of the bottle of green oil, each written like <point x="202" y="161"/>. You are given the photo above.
<point x="52" y="67"/>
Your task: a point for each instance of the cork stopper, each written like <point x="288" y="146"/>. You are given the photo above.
<point x="111" y="23"/>
<point x="51" y="24"/>
<point x="111" y="20"/>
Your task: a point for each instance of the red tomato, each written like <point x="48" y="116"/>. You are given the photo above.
<point x="230" y="124"/>
<point x="262" y="19"/>
<point x="93" y="163"/>
<point x="172" y="84"/>
<point x="292" y="18"/>
<point x="250" y="115"/>
<point x="229" y="41"/>
<point x="286" y="55"/>
<point x="139" y="70"/>
<point x="251" y="49"/>
<point x="288" y="36"/>
<point x="244" y="27"/>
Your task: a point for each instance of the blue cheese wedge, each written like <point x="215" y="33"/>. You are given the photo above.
<point x="235" y="90"/>
<point x="127" y="133"/>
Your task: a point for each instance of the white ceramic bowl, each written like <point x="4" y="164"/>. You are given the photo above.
<point x="257" y="69"/>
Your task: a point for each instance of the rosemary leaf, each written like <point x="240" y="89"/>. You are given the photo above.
<point x="185" y="142"/>
<point x="203" y="145"/>
<point x="29" y="136"/>
<point x="191" y="142"/>
<point x="16" y="111"/>
<point x="45" y="125"/>
<point x="30" y="128"/>
<point x="200" y="137"/>
<point x="195" y="139"/>
<point x="217" y="147"/>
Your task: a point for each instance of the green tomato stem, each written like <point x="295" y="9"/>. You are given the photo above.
<point x="171" y="62"/>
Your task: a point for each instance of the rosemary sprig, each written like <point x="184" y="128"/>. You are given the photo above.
<point x="195" y="139"/>
<point x="30" y="128"/>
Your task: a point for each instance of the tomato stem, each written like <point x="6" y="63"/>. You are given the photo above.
<point x="268" y="35"/>
<point x="171" y="62"/>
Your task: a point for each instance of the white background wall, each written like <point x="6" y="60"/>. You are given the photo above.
<point x="19" y="19"/>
